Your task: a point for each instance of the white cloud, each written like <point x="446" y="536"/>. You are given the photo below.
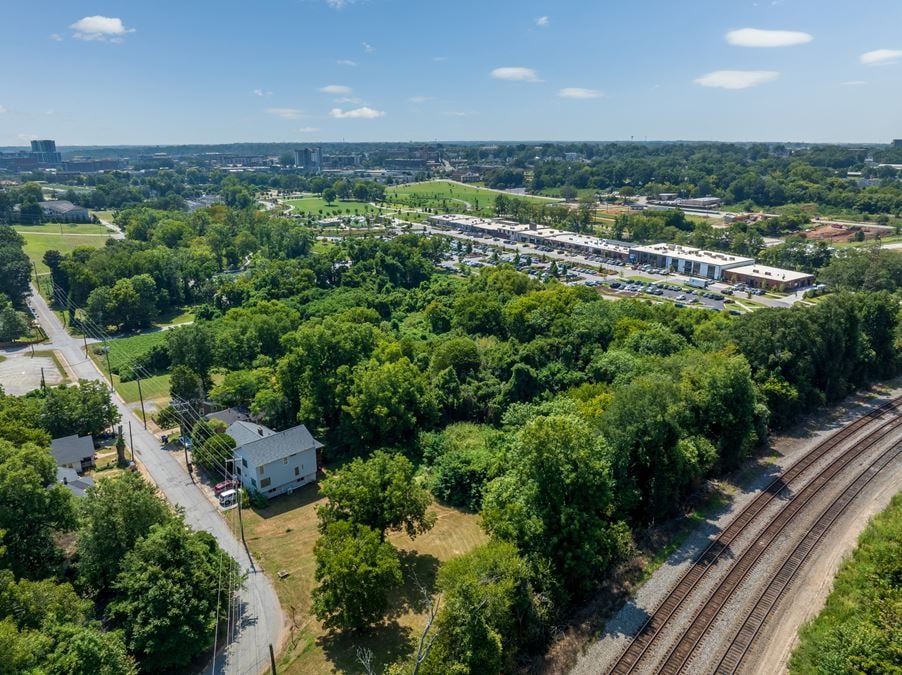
<point x="261" y="92"/>
<point x="367" y="47"/>
<point x="339" y="4"/>
<point x="308" y="130"/>
<point x="363" y="113"/>
<point x="457" y="113"/>
<point x="285" y="113"/>
<point x="853" y="83"/>
<point x="349" y="99"/>
<point x="880" y="57"/>
<point x="439" y="59"/>
<point x="100" y="28"/>
<point x="543" y="21"/>
<point x="346" y="62"/>
<point x="56" y="37"/>
<point x="517" y="74"/>
<point x="335" y="89"/>
<point x="3" y="109"/>
<point x="419" y="99"/>
<point x="736" y="79"/>
<point x="755" y="37"/>
<point x="579" y="92"/>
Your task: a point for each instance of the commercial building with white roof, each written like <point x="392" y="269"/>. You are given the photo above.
<point x="762" y="276"/>
<point x="688" y="260"/>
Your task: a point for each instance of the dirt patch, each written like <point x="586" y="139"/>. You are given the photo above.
<point x="843" y="233"/>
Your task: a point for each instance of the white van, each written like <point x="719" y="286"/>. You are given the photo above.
<point x="228" y="499"/>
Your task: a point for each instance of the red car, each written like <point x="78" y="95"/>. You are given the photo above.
<point x="219" y="488"/>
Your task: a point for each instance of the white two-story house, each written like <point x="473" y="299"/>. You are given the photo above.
<point x="273" y="463"/>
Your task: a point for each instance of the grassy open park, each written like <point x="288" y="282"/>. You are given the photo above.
<point x="281" y="538"/>
<point x="455" y="196"/>
<point x="317" y="206"/>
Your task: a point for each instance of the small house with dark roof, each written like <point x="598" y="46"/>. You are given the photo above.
<point x="73" y="452"/>
<point x="76" y="484"/>
<point x="273" y="463"/>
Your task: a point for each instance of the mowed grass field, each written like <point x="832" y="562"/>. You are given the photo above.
<point x="66" y="228"/>
<point x="317" y="206"/>
<point x="439" y="193"/>
<point x="36" y="245"/>
<point x="281" y="538"/>
<point x="125" y="350"/>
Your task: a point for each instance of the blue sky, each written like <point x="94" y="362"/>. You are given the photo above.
<point x="197" y="71"/>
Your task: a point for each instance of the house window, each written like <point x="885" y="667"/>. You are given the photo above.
<point x="297" y="471"/>
<point x="265" y="482"/>
<point x="260" y="470"/>
<point x="253" y="482"/>
<point x="244" y="462"/>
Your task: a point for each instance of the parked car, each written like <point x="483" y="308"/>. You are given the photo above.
<point x="221" y="487"/>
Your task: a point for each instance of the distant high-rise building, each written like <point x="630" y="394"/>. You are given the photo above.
<point x="45" y="152"/>
<point x="309" y="160"/>
<point x="897" y="142"/>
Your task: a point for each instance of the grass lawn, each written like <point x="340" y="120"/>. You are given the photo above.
<point x="281" y="538"/>
<point x="67" y="228"/>
<point x="124" y="350"/>
<point x="455" y="196"/>
<point x="317" y="206"/>
<point x="38" y="244"/>
<point x="154" y="388"/>
<point x="175" y="316"/>
<point x="104" y="215"/>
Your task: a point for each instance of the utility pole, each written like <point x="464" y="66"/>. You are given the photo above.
<point x="272" y="659"/>
<point x="131" y="440"/>
<point x="241" y="527"/>
<point x="43" y="382"/>
<point x="84" y="336"/>
<point x="108" y="368"/>
<point x="141" y="396"/>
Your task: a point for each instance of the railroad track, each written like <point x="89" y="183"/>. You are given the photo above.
<point x="648" y="633"/>
<point x="767" y="600"/>
<point x="681" y="652"/>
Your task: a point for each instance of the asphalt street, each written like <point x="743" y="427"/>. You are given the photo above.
<point x="260" y="620"/>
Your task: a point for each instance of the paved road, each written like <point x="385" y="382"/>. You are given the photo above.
<point x="261" y="621"/>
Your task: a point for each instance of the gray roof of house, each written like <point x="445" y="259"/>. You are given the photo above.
<point x="71" y="449"/>
<point x="279" y="445"/>
<point x="247" y="432"/>
<point x="76" y="484"/>
<point x="229" y="415"/>
<point x="59" y="206"/>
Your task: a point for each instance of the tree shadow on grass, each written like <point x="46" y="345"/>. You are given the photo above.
<point x="419" y="572"/>
<point x="389" y="642"/>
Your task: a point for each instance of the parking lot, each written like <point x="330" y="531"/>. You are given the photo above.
<point x="20" y="372"/>
<point x="610" y="274"/>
